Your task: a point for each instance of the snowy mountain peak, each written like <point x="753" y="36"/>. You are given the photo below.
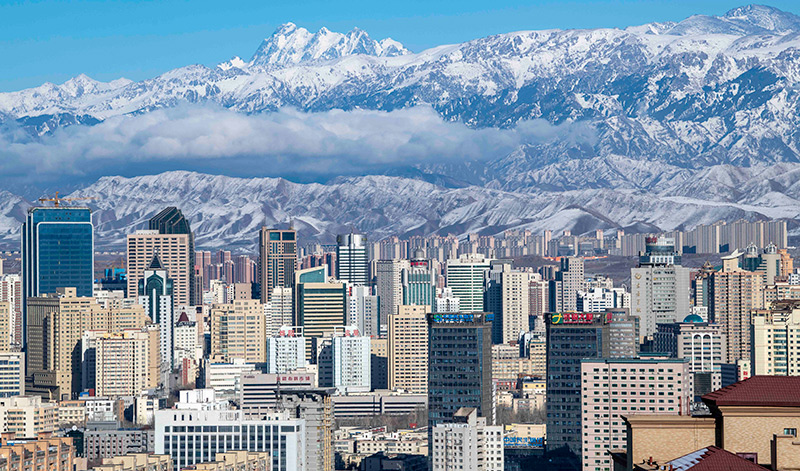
<point x="290" y="45"/>
<point x="741" y="21"/>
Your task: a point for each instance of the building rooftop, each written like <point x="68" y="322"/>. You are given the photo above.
<point x="775" y="391"/>
<point x="712" y="459"/>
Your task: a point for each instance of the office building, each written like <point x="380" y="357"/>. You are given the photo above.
<point x="225" y="378"/>
<point x="223" y="430"/>
<point x="277" y="250"/>
<point x="389" y="286"/>
<point x="259" y="391"/>
<point x="379" y="363"/>
<point x="174" y="257"/>
<point x="701" y="344"/>
<point x="343" y="361"/>
<point x="459" y="366"/>
<point x="445" y="301"/>
<point x="238" y="331"/>
<point x="613" y="388"/>
<point x="419" y="281"/>
<point x="466" y="277"/>
<point x="57" y="252"/>
<point x="185" y="340"/>
<point x="408" y="349"/>
<point x="56" y="324"/>
<point x="155" y="295"/>
<point x="363" y="309"/>
<point x="117" y="364"/>
<point x="569" y="280"/>
<point x="102" y="445"/>
<point x="775" y="337"/>
<point x="351" y="259"/>
<point x="659" y="286"/>
<point x="320" y="304"/>
<point x="286" y="351"/>
<point x="508" y="298"/>
<point x="467" y="442"/>
<point x="27" y="416"/>
<point x="571" y="338"/>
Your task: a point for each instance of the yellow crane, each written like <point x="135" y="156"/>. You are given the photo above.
<point x="57" y="201"/>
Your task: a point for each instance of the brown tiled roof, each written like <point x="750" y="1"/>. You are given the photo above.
<point x="776" y="391"/>
<point x="713" y="459"/>
<point x="183" y="317"/>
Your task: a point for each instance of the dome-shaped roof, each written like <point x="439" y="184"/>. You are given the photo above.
<point x="693" y="318"/>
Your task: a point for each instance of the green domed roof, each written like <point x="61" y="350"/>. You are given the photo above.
<point x="693" y="318"/>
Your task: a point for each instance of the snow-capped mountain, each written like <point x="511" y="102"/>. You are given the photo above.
<point x="693" y="121"/>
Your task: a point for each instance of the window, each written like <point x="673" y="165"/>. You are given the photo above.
<point x="790" y="431"/>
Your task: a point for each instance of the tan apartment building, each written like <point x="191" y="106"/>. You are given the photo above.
<point x="121" y="363"/>
<point x="775" y="350"/>
<point x="136" y="462"/>
<point x="236" y="461"/>
<point x="408" y="349"/>
<point x="27" y="416"/>
<point x="175" y="253"/>
<point x="56" y="324"/>
<point x="732" y="295"/>
<point x="238" y="330"/>
<point x="46" y="453"/>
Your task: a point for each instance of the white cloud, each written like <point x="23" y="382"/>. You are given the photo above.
<point x="330" y="143"/>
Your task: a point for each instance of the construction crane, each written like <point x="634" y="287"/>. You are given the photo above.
<point x="57" y="201"/>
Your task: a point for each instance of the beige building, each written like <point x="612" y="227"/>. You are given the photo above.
<point x="121" y="363"/>
<point x="277" y="250"/>
<point x="136" y="462"/>
<point x="467" y="443"/>
<point x="238" y="330"/>
<point x="27" y="416"/>
<point x="515" y="287"/>
<point x="773" y="332"/>
<point x="72" y="413"/>
<point x="56" y="324"/>
<point x="408" y="349"/>
<point x="6" y="320"/>
<point x="732" y="295"/>
<point x="173" y="251"/>
<point x="757" y="419"/>
<point x="51" y="454"/>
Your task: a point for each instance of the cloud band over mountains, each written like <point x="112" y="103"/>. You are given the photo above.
<point x="286" y="142"/>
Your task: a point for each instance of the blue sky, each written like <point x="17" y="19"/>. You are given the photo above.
<point x="53" y="41"/>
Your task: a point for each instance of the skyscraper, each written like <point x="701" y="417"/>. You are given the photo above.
<point x="351" y="259"/>
<point x="320" y="305"/>
<point x="732" y="295"/>
<point x="419" y="281"/>
<point x="572" y="337"/>
<point x="459" y="366"/>
<point x="57" y="252"/>
<point x="277" y="250"/>
<point x="171" y="221"/>
<point x="389" y="286"/>
<point x="659" y="285"/>
<point x="408" y="349"/>
<point x="564" y="289"/>
<point x="155" y="295"/>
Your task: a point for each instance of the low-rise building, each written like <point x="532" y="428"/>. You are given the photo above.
<point x="136" y="462"/>
<point x="101" y="443"/>
<point x="467" y="443"/>
<point x="236" y="461"/>
<point x="50" y="454"/>
<point x="28" y="416"/>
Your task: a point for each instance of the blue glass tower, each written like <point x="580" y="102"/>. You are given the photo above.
<point x="57" y="252"/>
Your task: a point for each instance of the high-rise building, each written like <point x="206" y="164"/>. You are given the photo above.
<point x="238" y="331"/>
<point x="389" y="286"/>
<point x="118" y="364"/>
<point x="185" y="345"/>
<point x="343" y="361"/>
<point x="571" y="338"/>
<point x="701" y="344"/>
<point x="174" y="254"/>
<point x="280" y="310"/>
<point x="732" y="295"/>
<point x="446" y="302"/>
<point x="467" y="442"/>
<point x="286" y="351"/>
<point x="57" y="252"/>
<point x="155" y="295"/>
<point x="12" y="374"/>
<point x="408" y="349"/>
<point x="659" y="285"/>
<point x="508" y="298"/>
<point x="466" y="276"/>
<point x="171" y="221"/>
<point x="775" y="349"/>
<point x="11" y="293"/>
<point x="419" y="281"/>
<point x="363" y="310"/>
<point x="351" y="259"/>
<point x="277" y="251"/>
<point x="617" y="388"/>
<point x="28" y="416"/>
<point x="459" y="366"/>
<point x="563" y="290"/>
<point x="320" y="305"/>
<point x="56" y="324"/>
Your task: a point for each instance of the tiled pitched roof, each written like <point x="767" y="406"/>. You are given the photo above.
<point x="776" y="391"/>
<point x="713" y="459"/>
